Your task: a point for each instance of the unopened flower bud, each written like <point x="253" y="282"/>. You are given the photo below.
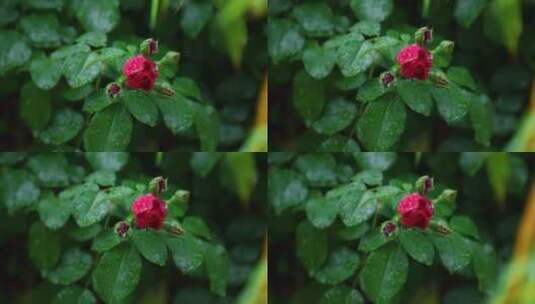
<point x="122" y="228"/>
<point x="158" y="185"/>
<point x="165" y="88"/>
<point x="424" y="184"/>
<point x="387" y="79"/>
<point x="170" y="58"/>
<point x="149" y="47"/>
<point x="173" y="226"/>
<point x="113" y="90"/>
<point x="180" y="197"/>
<point x="447" y="196"/>
<point x="442" y="54"/>
<point x="388" y="229"/>
<point x="423" y="36"/>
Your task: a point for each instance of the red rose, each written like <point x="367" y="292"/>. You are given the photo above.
<point x="140" y="73"/>
<point x="415" y="62"/>
<point x="415" y="210"/>
<point x="150" y="211"/>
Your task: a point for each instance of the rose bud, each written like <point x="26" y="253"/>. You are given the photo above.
<point x="113" y="90"/>
<point x="140" y="73"/>
<point x="149" y="211"/>
<point x="416" y="211"/>
<point x="387" y="79"/>
<point x="424" y="184"/>
<point x="158" y="185"/>
<point x="388" y="229"/>
<point x="423" y="36"/>
<point x="415" y="62"/>
<point x="149" y="47"/>
<point x="122" y="228"/>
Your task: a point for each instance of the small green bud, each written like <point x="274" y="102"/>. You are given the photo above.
<point x="180" y="197"/>
<point x="173" y="226"/>
<point x="165" y="88"/>
<point x="171" y="57"/>
<point x="442" y="54"/>
<point x="439" y="78"/>
<point x="440" y="226"/>
<point x="447" y="196"/>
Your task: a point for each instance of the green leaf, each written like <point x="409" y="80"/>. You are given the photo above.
<point x="74" y="295"/>
<point x="284" y="39"/>
<point x="105" y="241"/>
<point x="369" y="177"/>
<point x="373" y="240"/>
<point x="14" y="51"/>
<point x="355" y="57"/>
<point x="195" y="16"/>
<point x="65" y="125"/>
<point x="338" y="143"/>
<point x="82" y="234"/>
<point x="89" y="205"/>
<point x="117" y="274"/>
<point x="149" y="244"/>
<point x="499" y="171"/>
<point x="202" y="163"/>
<point x="341" y="295"/>
<point x="98" y="15"/>
<point x="471" y="162"/>
<point x="319" y="168"/>
<point x="462" y="77"/>
<point x="318" y="61"/>
<point x="349" y="199"/>
<point x="417" y="245"/>
<point x="286" y="189"/>
<point x="178" y="112"/>
<point x="53" y="212"/>
<point x="35" y="106"/>
<point x="19" y="189"/>
<point x="485" y="266"/>
<point x="372" y="10"/>
<point x="311" y="246"/>
<point x="102" y="178"/>
<point x="43" y="30"/>
<point x="82" y="68"/>
<point x="74" y="265"/>
<point x="382" y="123"/>
<point x="308" y="96"/>
<point x="503" y="23"/>
<point x="197" y="227"/>
<point x="109" y="130"/>
<point x="207" y="125"/>
<point x="321" y="212"/>
<point x="45" y="72"/>
<point x="218" y="268"/>
<point x="94" y="39"/>
<point x="466" y="12"/>
<point x="44" y="4"/>
<point x="316" y="18"/>
<point x="371" y="90"/>
<point x="384" y="273"/>
<point x="140" y="105"/>
<point x="416" y="95"/>
<point x="43" y="246"/>
<point x="110" y="161"/>
<point x="51" y="169"/>
<point x="452" y="102"/>
<point x="464" y="225"/>
<point x="96" y="102"/>
<point x="481" y="116"/>
<point x="338" y="115"/>
<point x="353" y="232"/>
<point x="187" y="252"/>
<point x="455" y="252"/>
<point x="340" y="266"/>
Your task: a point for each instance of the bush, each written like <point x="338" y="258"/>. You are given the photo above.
<point x="57" y="57"/>
<point x="337" y="236"/>
<point x="68" y="235"/>
<point x="327" y="60"/>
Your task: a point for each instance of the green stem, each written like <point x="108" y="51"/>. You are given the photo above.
<point x="154" y="13"/>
